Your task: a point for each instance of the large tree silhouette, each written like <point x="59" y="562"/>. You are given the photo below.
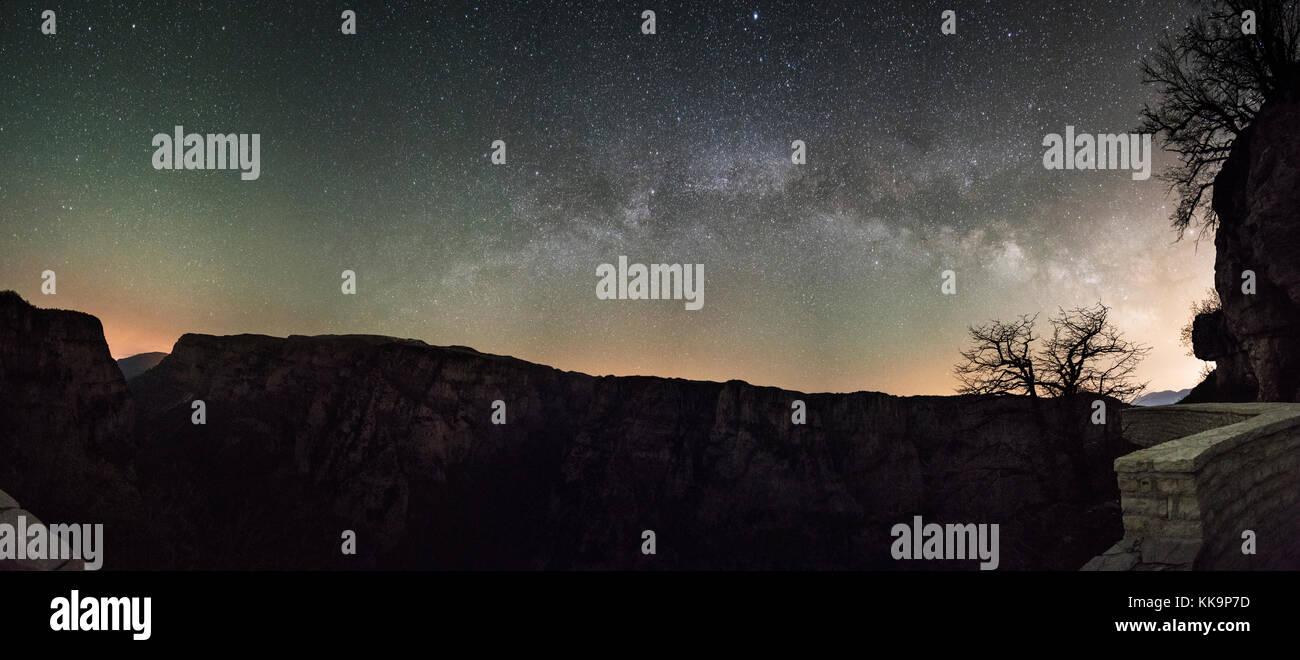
<point x="1085" y="353"/>
<point x="1213" y="77"/>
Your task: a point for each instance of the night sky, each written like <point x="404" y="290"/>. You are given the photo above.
<point x="924" y="154"/>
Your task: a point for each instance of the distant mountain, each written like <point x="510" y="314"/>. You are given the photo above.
<point x="1161" y="398"/>
<point x="137" y="364"/>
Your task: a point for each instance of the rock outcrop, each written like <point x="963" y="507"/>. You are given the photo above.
<point x="308" y="436"/>
<point x="1233" y="379"/>
<point x="1257" y="200"/>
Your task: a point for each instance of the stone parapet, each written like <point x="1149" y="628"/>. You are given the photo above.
<point x="1189" y="502"/>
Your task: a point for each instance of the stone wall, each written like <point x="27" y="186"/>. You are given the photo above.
<point x="1147" y="427"/>
<point x="9" y="513"/>
<point x="1186" y="502"/>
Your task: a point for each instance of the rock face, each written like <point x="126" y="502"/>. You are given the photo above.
<point x="308" y="436"/>
<point x="66" y="418"/>
<point x="1257" y="199"/>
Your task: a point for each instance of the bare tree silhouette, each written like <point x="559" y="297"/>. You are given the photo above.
<point x="1085" y="353"/>
<point x="1001" y="360"/>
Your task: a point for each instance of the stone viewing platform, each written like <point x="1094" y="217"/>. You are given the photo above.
<point x="1214" y="481"/>
<point x="9" y="513"/>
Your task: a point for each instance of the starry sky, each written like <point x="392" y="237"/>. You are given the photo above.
<point x="924" y="155"/>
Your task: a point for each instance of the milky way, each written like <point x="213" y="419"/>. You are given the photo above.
<point x="924" y="154"/>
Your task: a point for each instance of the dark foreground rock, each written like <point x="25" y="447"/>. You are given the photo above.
<point x="67" y="444"/>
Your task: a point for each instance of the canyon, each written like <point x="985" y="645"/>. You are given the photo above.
<point x="306" y="437"/>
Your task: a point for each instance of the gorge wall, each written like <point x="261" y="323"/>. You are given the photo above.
<point x="308" y="436"/>
<point x="1255" y="339"/>
<point x="67" y="437"/>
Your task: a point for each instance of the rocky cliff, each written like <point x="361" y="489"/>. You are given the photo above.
<point x="1257" y="200"/>
<point x="66" y="417"/>
<point x="308" y="436"/>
